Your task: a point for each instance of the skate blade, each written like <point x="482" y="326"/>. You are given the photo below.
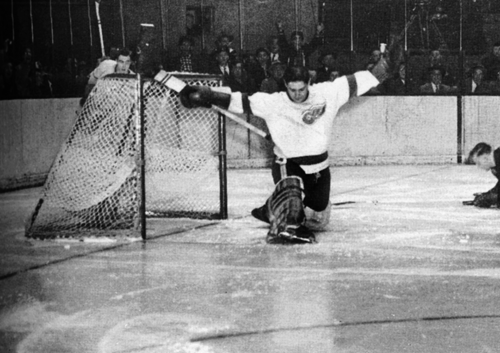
<point x="291" y="238"/>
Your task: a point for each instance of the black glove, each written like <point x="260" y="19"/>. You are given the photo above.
<point x="485" y="200"/>
<point x="196" y="96"/>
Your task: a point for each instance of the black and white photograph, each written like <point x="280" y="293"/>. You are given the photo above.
<point x="249" y="176"/>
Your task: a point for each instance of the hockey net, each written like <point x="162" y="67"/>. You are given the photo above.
<point x="94" y="185"/>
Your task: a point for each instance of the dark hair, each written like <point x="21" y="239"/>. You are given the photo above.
<point x="225" y="35"/>
<point x="275" y="65"/>
<point x="219" y="50"/>
<point x="296" y="73"/>
<point x="326" y="53"/>
<point x="237" y="60"/>
<point x="261" y="50"/>
<point x="271" y="39"/>
<point x="297" y="33"/>
<point x="184" y="39"/>
<point x="125" y="52"/>
<point x="478" y="150"/>
<point x="477" y="67"/>
<point x="439" y="68"/>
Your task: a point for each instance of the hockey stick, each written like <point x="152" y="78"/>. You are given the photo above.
<point x="242" y="122"/>
<point x="177" y="85"/>
<point x="99" y="25"/>
<point x="382" y="202"/>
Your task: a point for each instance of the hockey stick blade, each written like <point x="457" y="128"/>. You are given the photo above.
<point x="342" y="203"/>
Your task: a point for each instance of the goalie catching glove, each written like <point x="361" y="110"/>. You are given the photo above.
<point x="203" y="96"/>
<point x="196" y="96"/>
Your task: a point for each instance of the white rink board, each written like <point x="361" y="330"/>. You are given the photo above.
<point x="402" y="130"/>
<point x="481" y="121"/>
<point x="368" y="130"/>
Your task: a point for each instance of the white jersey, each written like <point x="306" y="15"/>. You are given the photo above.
<point x="304" y="129"/>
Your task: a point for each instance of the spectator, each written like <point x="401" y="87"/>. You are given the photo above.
<point x="7" y="84"/>
<point x="476" y="84"/>
<point x="397" y="84"/>
<point x="275" y="82"/>
<point x="491" y="61"/>
<point x="225" y="40"/>
<point x="42" y="87"/>
<point x="186" y="61"/>
<point x="495" y="85"/>
<point x="435" y="83"/>
<point x="334" y="74"/>
<point x="298" y="52"/>
<point x="275" y="48"/>
<point x="375" y="56"/>
<point x="82" y="77"/>
<point x="249" y="60"/>
<point x="260" y="71"/>
<point x="437" y="59"/>
<point x="193" y="29"/>
<point x="328" y="61"/>
<point x="24" y="75"/>
<point x="239" y="80"/>
<point x="64" y="80"/>
<point x="221" y="66"/>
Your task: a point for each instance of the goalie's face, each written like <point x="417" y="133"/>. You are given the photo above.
<point x="123" y="64"/>
<point x="297" y="91"/>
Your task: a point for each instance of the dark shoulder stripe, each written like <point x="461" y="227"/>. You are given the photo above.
<point x="246" y="103"/>
<point x="353" y="85"/>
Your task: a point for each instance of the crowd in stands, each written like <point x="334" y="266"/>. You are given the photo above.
<point x="262" y="70"/>
<point x="30" y="78"/>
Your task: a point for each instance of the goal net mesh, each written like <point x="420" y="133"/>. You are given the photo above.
<point x="93" y="187"/>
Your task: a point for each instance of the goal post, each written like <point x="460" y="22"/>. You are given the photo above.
<point x="134" y="152"/>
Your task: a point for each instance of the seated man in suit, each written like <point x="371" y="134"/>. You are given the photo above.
<point x="222" y="65"/>
<point x="435" y="84"/>
<point x="476" y="83"/>
<point x="275" y="46"/>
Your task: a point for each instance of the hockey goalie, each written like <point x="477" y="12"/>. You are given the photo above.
<point x="300" y="121"/>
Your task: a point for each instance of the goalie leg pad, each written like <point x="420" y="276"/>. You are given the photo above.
<point x="286" y="213"/>
<point x="318" y="220"/>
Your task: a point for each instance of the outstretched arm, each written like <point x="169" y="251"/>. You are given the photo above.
<point x="362" y="81"/>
